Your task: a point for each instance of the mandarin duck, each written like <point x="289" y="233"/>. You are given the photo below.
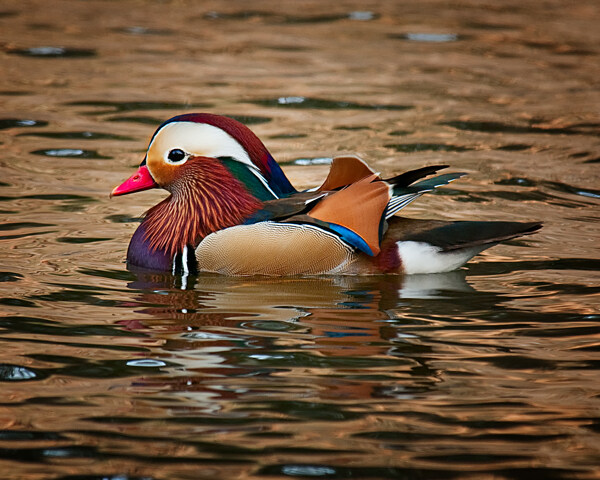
<point x="231" y="210"/>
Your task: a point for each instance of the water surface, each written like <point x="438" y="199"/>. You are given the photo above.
<point x="489" y="372"/>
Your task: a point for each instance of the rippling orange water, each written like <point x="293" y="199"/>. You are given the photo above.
<point x="489" y="372"/>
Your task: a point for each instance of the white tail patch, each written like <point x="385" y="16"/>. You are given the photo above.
<point x="420" y="257"/>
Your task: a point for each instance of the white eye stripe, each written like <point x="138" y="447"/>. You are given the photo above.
<point x="197" y="139"/>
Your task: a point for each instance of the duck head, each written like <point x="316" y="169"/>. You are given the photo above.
<point x="218" y="173"/>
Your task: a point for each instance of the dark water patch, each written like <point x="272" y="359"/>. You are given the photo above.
<point x="305" y="410"/>
<point x="515" y="147"/>
<point x="80" y="240"/>
<point x="474" y="458"/>
<point x="298" y="359"/>
<point x="17" y="302"/>
<point x="57" y="401"/>
<point x="579" y="155"/>
<point x="499" y="127"/>
<point x="402" y="436"/>
<point x="53" y="52"/>
<point x="357" y="15"/>
<point x="517" y="181"/>
<point x="71" y="153"/>
<point x="120" y="218"/>
<point x="270" y="435"/>
<point x="352" y="128"/>
<point x="478" y="424"/>
<point x="24" y="436"/>
<point x="587" y="348"/>
<point x="42" y="326"/>
<point x="559" y="48"/>
<point x="118" y="420"/>
<point x="593" y="160"/>
<point x="400" y="133"/>
<point x="565" y="188"/>
<point x="410" y="436"/>
<point x="563" y="288"/>
<point x="429" y="37"/>
<point x="10" y="277"/>
<point x="272" y="326"/>
<point x="216" y="448"/>
<point x="137" y="119"/>
<point x="79" y="367"/>
<point x="226" y="420"/>
<point x="20" y="122"/>
<point x="426" y="147"/>
<point x="555" y="186"/>
<point x="86" y="288"/>
<point x="24" y="235"/>
<point x="117" y="107"/>
<point x="521" y="437"/>
<point x="241" y="15"/>
<point x="85" y="135"/>
<point x="288" y="136"/>
<point x="309" y="451"/>
<point x="139" y="30"/>
<point x="4" y="184"/>
<point x="19" y="225"/>
<point x="538" y="473"/>
<point x="322" y="104"/>
<point x="76" y="296"/>
<point x="318" y="470"/>
<point x="490" y="26"/>
<point x="17" y="373"/>
<point x="517" y="362"/>
<point x="69" y="203"/>
<point x="79" y="345"/>
<point x="286" y="48"/>
<point x="45" y="454"/>
<point x="594" y="426"/>
<point x="521" y="196"/>
<point x="564" y="332"/>
<point x="107" y="476"/>
<point x="586" y="125"/>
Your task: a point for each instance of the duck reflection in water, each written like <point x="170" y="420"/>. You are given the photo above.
<point x="236" y="328"/>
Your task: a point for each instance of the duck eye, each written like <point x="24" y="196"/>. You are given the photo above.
<point x="176" y="155"/>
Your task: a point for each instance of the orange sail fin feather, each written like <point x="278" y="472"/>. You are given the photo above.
<point x="358" y="207"/>
<point x="214" y="221"/>
<point x="345" y="171"/>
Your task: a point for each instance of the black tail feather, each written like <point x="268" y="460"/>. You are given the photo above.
<point x="407" y="178"/>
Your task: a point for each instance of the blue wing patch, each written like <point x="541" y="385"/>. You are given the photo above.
<point x="351" y="238"/>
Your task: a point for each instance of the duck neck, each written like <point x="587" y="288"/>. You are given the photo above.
<point x="198" y="206"/>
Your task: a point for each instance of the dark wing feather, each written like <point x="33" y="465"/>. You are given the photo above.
<point x="457" y="235"/>
<point x="282" y="208"/>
